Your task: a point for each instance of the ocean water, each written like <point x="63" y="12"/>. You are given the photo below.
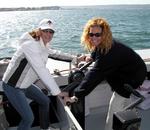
<point x="129" y="24"/>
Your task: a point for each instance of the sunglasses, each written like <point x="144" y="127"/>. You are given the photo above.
<point x="48" y="31"/>
<point x="95" y="34"/>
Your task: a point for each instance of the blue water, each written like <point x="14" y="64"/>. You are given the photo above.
<point x="130" y="24"/>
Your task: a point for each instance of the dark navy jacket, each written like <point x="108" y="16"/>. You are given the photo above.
<point x="121" y="65"/>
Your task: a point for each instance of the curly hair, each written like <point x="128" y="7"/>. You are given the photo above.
<point x="106" y="43"/>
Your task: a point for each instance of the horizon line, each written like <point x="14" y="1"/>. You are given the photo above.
<point x="75" y="5"/>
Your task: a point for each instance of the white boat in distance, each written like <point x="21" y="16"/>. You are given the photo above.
<point x="96" y="103"/>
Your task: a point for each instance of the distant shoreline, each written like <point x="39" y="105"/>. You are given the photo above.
<point x="31" y="8"/>
<point x="70" y="7"/>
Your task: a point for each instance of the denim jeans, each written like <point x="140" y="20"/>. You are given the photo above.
<point x="17" y="98"/>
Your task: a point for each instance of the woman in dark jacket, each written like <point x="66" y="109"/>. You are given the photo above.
<point x="114" y="62"/>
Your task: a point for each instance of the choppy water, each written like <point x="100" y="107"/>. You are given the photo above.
<point x="130" y="24"/>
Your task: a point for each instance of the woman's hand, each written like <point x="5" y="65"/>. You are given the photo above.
<point x="81" y="58"/>
<point x="63" y="94"/>
<point x="85" y="58"/>
<point x="69" y="100"/>
<point x="88" y="59"/>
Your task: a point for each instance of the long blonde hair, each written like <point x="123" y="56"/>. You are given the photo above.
<point x="106" y="42"/>
<point x="35" y="34"/>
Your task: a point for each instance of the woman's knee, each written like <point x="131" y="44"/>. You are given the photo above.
<point x="46" y="101"/>
<point x="28" y="119"/>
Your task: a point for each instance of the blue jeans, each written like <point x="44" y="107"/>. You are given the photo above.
<point x="17" y="98"/>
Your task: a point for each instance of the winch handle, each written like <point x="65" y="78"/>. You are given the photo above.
<point x="85" y="65"/>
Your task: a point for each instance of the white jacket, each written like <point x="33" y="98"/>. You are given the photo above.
<point x="29" y="64"/>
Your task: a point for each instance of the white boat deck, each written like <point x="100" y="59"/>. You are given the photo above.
<point x="96" y="119"/>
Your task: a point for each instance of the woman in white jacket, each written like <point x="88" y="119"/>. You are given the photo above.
<point x="26" y="66"/>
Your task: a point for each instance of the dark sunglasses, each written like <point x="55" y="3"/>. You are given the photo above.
<point x="95" y="34"/>
<point x="48" y="31"/>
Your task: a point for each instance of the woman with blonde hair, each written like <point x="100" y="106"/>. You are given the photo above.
<point x="114" y="62"/>
<point x="27" y="65"/>
<point x="105" y="35"/>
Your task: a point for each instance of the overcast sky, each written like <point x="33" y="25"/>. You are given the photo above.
<point x="38" y="3"/>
